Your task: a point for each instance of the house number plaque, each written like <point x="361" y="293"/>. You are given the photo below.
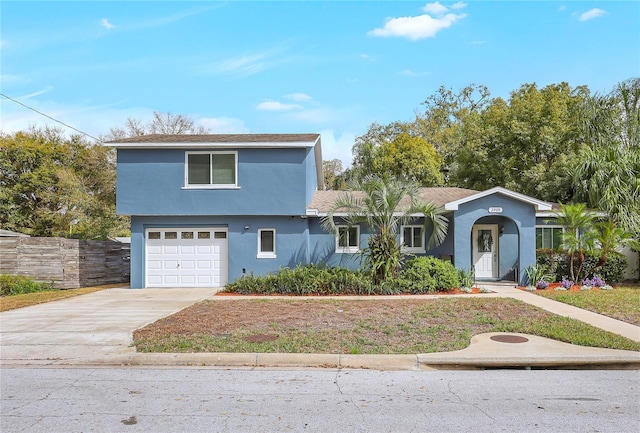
<point x="495" y="210"/>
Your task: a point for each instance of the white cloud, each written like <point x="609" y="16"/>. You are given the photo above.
<point x="459" y="5"/>
<point x="435" y="9"/>
<point x="421" y="26"/>
<point x="104" y="22"/>
<point x="299" y="97"/>
<point x="277" y="106"/>
<point x="562" y="8"/>
<point x="223" y="125"/>
<point x="9" y="78"/>
<point x="246" y="65"/>
<point x="337" y="147"/>
<point x="410" y="73"/>
<point x="36" y="93"/>
<point x="591" y="14"/>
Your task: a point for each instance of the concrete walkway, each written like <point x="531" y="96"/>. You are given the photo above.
<point x="628" y="330"/>
<point x="96" y="329"/>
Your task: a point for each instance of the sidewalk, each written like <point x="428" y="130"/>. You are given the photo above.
<point x="96" y="329"/>
<point x="628" y="330"/>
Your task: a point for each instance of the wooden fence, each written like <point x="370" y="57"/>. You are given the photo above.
<point x="68" y="263"/>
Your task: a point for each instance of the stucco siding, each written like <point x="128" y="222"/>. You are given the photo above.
<point x="516" y="243"/>
<point x="151" y="182"/>
<point x="291" y="242"/>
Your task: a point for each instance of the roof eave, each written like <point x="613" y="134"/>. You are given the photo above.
<point x="539" y="204"/>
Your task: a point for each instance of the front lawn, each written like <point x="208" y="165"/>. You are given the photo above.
<point x="622" y="303"/>
<point x="395" y="326"/>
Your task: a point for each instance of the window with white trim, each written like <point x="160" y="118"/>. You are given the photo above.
<point x="266" y="243"/>
<point x="348" y="239"/>
<point x="412" y="239"/>
<point x="549" y="237"/>
<point x="211" y="170"/>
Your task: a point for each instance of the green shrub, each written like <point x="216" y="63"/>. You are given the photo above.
<point x="18" y="284"/>
<point x="305" y="280"/>
<point x="612" y="271"/>
<point x="427" y="275"/>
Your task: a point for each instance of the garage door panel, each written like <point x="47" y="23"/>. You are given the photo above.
<point x="170" y="280"/>
<point x="203" y="249"/>
<point x="154" y="280"/>
<point x="187" y="280"/>
<point x="154" y="264"/>
<point x="170" y="264"/>
<point x="154" y="249"/>
<point x="170" y="249"/>
<point x="187" y="249"/>
<point x="179" y="258"/>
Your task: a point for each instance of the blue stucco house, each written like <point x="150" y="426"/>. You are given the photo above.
<point x="207" y="209"/>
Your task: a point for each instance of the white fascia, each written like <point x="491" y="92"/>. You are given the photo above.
<point x="539" y="204"/>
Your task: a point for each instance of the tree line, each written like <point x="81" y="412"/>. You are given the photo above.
<point x="557" y="143"/>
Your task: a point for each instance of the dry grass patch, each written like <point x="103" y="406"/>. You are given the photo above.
<point x="357" y="326"/>
<point x="27" y="299"/>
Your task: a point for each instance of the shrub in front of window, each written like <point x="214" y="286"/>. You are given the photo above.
<point x="558" y="263"/>
<point x="305" y="280"/>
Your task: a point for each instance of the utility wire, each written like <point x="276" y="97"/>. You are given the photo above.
<point x="55" y="120"/>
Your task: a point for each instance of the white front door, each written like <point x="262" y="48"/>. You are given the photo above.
<point x="186" y="257"/>
<point x="485" y="250"/>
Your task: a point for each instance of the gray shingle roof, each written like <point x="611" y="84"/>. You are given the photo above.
<point x="220" y="138"/>
<point x="323" y="200"/>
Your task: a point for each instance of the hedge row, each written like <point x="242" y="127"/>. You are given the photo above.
<point x="418" y="275"/>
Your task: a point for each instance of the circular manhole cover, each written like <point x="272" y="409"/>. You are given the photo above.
<point x="509" y="338"/>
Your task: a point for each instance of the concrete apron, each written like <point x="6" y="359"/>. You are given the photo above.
<point x="96" y="327"/>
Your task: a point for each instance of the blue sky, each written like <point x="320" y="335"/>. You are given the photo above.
<point x="332" y="67"/>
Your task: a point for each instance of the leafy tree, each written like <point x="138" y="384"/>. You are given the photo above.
<point x="396" y="151"/>
<point x="51" y="185"/>
<point x="449" y="120"/>
<point x="526" y="143"/>
<point x="162" y="123"/>
<point x="333" y="174"/>
<point x="385" y="205"/>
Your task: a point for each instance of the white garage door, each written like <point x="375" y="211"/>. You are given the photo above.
<point x="186" y="257"/>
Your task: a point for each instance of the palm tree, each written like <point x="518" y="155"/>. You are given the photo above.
<point x="579" y="235"/>
<point x="607" y="175"/>
<point x="609" y="238"/>
<point x="385" y="205"/>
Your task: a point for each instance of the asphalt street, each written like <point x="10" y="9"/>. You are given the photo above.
<point x="139" y="399"/>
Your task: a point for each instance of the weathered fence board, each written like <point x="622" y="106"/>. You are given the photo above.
<point x="69" y="263"/>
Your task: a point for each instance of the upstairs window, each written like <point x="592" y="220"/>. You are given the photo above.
<point x="211" y="170"/>
<point x="412" y="239"/>
<point x="348" y="239"/>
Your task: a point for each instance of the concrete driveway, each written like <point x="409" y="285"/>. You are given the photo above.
<point x="93" y="329"/>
